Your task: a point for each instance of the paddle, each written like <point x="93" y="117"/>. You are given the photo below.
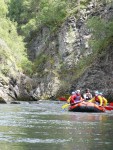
<point x="110" y="104"/>
<point x="62" y="99"/>
<point x="65" y="106"/>
<point x="108" y="107"/>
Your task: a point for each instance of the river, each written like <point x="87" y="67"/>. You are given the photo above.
<point x="46" y="126"/>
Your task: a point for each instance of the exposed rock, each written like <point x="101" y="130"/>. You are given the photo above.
<point x="2" y="101"/>
<point x="65" y="49"/>
<point x="62" y="51"/>
<point x="14" y="102"/>
<point x="99" y="76"/>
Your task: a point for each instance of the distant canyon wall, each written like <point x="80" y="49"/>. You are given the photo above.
<point x="65" y="49"/>
<point x="58" y="55"/>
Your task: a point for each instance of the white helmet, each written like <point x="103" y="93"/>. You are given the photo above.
<point x="96" y="92"/>
<point x="73" y="93"/>
<point x="101" y="93"/>
<point x="78" y="91"/>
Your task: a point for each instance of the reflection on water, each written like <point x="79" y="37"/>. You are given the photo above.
<point x="46" y="126"/>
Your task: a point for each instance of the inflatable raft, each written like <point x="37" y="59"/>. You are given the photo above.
<point x="86" y="107"/>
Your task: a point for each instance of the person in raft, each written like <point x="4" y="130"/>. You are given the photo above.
<point x="98" y="99"/>
<point x="76" y="97"/>
<point x="70" y="97"/>
<point x="87" y="95"/>
<point x="105" y="101"/>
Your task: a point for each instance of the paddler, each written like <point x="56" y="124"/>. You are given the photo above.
<point x="98" y="99"/>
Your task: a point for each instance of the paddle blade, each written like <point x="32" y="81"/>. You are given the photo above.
<point x="108" y="108"/>
<point x="62" y="99"/>
<point x="111" y="104"/>
<point x="65" y="106"/>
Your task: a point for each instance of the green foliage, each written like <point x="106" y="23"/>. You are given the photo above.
<point x="32" y="14"/>
<point x="97" y="27"/>
<point x="27" y="66"/>
<point x="3" y="9"/>
<point x="13" y="48"/>
<point x="15" y="9"/>
<point x="27" y="28"/>
<point x="9" y="34"/>
<point x="107" y="1"/>
<point x="102" y="32"/>
<point x="39" y="63"/>
<point x="51" y="13"/>
<point x="5" y="70"/>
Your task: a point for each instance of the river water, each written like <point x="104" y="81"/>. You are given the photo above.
<point x="45" y="126"/>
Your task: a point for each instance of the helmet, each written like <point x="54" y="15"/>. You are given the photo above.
<point x="96" y="92"/>
<point x="73" y="93"/>
<point x="78" y="91"/>
<point x="101" y="93"/>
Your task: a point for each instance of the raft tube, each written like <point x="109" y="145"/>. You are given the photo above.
<point x="86" y="107"/>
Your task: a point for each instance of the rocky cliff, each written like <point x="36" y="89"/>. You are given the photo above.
<point x="69" y="63"/>
<point x="64" y="60"/>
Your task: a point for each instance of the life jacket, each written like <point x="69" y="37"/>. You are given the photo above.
<point x="104" y="100"/>
<point x="72" y="99"/>
<point x="97" y="99"/>
<point x="78" y="97"/>
<point x="75" y="98"/>
<point x="87" y="96"/>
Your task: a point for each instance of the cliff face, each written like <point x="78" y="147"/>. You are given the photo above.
<point x="59" y="57"/>
<point x="6" y="65"/>
<point x="99" y="75"/>
<point x="64" y="51"/>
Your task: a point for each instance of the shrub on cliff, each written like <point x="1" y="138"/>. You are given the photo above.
<point x="102" y="31"/>
<point x="31" y="14"/>
<point x="12" y="47"/>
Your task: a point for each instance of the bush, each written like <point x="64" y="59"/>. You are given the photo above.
<point x="13" y="48"/>
<point x="102" y="32"/>
<point x="31" y="14"/>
